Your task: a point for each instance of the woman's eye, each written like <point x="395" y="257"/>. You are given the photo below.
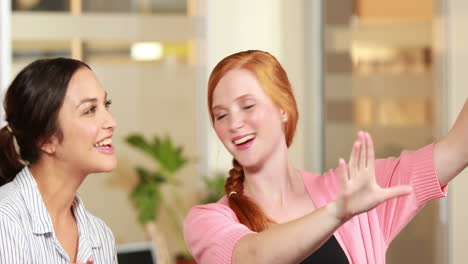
<point x="249" y="106"/>
<point x="108" y="103"/>
<point x="91" y="110"/>
<point x="220" y="117"/>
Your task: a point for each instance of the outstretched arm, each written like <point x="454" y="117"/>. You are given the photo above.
<point x="301" y="237"/>
<point x="451" y="153"/>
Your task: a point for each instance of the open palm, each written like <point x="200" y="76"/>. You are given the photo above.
<point x="359" y="189"/>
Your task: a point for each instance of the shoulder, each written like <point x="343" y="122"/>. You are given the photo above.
<point x="11" y="204"/>
<point x="215" y="218"/>
<point x="219" y="210"/>
<point x="211" y="232"/>
<point x="12" y="217"/>
<point x="7" y="190"/>
<point x="14" y="243"/>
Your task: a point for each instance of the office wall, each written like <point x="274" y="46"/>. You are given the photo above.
<point x="270" y="25"/>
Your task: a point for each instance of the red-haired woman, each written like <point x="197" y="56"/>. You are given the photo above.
<point x="275" y="213"/>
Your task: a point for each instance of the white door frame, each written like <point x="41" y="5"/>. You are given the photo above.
<point x="455" y="53"/>
<point x="314" y="86"/>
<point x="5" y="51"/>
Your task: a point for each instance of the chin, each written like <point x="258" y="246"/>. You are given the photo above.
<point x="247" y="163"/>
<point x="107" y="166"/>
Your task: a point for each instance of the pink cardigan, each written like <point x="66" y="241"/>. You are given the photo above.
<point x="211" y="231"/>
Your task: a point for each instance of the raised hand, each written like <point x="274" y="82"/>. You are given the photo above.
<point x="359" y="189"/>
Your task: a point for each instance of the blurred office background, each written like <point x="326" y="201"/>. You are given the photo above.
<point x="393" y="68"/>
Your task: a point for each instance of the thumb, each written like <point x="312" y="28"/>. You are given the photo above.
<point x="396" y="191"/>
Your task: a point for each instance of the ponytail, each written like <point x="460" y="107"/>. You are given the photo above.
<point x="247" y="211"/>
<point x="10" y="163"/>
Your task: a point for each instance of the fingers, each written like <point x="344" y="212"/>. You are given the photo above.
<point x="370" y="152"/>
<point x="354" y="158"/>
<point x="363" y="150"/>
<point x="396" y="191"/>
<point x="343" y="169"/>
<point x="366" y="156"/>
<point x="362" y="154"/>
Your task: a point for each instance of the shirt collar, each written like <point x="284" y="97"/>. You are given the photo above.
<point x="84" y="223"/>
<point x="40" y="219"/>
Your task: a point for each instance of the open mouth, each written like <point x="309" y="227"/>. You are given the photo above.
<point x="105" y="145"/>
<point x="243" y="141"/>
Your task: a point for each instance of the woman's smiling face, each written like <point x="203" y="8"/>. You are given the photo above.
<point x="245" y="119"/>
<point x="87" y="126"/>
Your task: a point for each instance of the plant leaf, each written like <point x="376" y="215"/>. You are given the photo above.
<point x="147" y="199"/>
<point x="215" y="188"/>
<point x="170" y="157"/>
<point x="140" y="143"/>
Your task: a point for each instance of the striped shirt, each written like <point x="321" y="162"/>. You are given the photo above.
<point x="27" y="234"/>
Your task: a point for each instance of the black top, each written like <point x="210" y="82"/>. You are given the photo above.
<point x="329" y="253"/>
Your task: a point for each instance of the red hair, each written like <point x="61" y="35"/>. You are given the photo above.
<point x="275" y="83"/>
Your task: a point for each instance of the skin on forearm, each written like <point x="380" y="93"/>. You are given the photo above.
<point x="294" y="241"/>
<point x="290" y="242"/>
<point x="451" y="153"/>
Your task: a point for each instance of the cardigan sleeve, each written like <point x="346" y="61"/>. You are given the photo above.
<point x="411" y="168"/>
<point x="211" y="232"/>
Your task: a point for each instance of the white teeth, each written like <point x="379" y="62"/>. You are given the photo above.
<point x="244" y="139"/>
<point x="107" y="141"/>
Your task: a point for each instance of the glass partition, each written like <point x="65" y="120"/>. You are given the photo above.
<point x="379" y="77"/>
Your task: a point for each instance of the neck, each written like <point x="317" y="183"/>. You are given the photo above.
<point x="276" y="181"/>
<point x="57" y="185"/>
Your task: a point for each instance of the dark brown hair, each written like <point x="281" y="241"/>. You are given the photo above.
<point x="32" y="103"/>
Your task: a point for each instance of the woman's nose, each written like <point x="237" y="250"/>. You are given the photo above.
<point x="236" y="121"/>
<point x="109" y="122"/>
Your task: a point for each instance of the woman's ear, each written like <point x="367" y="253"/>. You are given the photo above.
<point x="284" y="115"/>
<point x="49" y="146"/>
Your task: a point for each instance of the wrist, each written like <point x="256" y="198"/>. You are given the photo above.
<point x="334" y="209"/>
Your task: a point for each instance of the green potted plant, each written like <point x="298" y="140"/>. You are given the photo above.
<point x="147" y="196"/>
